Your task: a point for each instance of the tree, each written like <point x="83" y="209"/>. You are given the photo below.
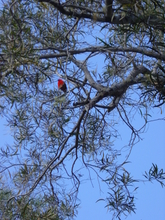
<point x="28" y="208"/>
<point x="111" y="57"/>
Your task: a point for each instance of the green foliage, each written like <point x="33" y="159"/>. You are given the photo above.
<point x="120" y="200"/>
<point x="27" y="208"/>
<point x="155" y="174"/>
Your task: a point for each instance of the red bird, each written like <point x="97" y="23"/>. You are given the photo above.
<point x="62" y="85"/>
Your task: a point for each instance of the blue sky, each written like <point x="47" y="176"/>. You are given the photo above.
<point x="150" y="197"/>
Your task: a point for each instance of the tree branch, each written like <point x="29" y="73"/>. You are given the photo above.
<point x="110" y="16"/>
<point x="116" y="90"/>
<point x="58" y="156"/>
<point x="83" y="67"/>
<point x="105" y="49"/>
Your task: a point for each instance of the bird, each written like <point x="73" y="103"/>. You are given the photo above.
<point x="62" y="85"/>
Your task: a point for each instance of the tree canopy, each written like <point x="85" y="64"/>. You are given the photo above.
<point x="111" y="55"/>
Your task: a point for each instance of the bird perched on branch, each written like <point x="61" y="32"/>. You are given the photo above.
<point x="62" y="85"/>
